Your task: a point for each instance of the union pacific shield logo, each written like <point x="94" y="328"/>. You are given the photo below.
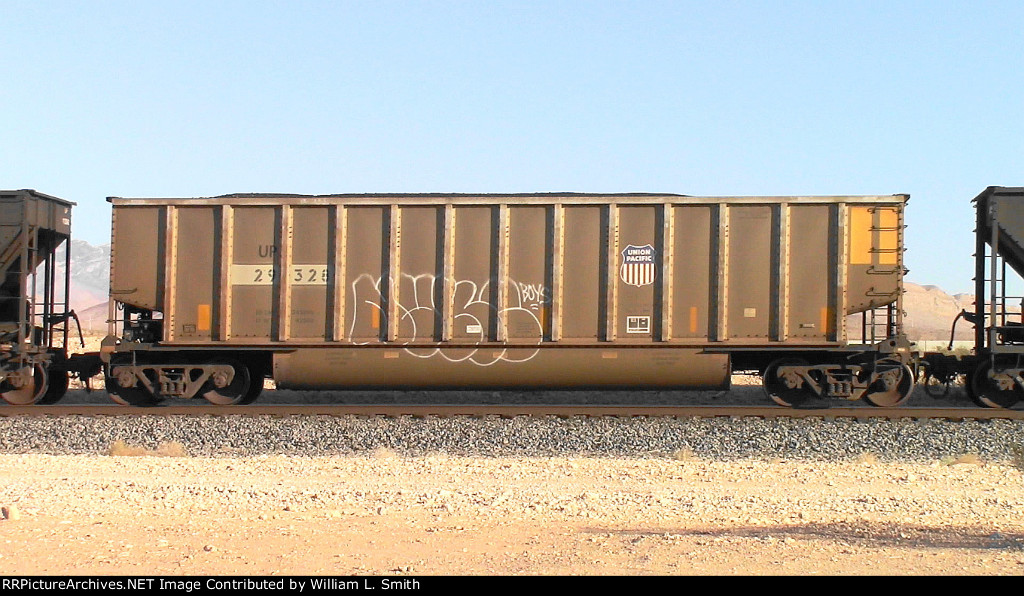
<point x="638" y="265"/>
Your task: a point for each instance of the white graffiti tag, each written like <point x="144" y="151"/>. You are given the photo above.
<point x="472" y="309"/>
<point x="531" y="294"/>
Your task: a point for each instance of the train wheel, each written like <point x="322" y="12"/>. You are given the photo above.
<point x="235" y="392"/>
<point x="31" y="390"/>
<point x="56" y="387"/>
<point x="969" y="388"/>
<point x="990" y="392"/>
<point x="896" y="388"/>
<point x="129" y="395"/>
<point x="255" y="387"/>
<point x="788" y="390"/>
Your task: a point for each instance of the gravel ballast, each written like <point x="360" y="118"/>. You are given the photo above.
<point x="818" y="439"/>
<point x="708" y="438"/>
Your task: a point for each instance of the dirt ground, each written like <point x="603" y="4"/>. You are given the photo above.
<point x="388" y="515"/>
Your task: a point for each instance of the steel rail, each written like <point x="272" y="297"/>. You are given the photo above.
<point x="510" y="411"/>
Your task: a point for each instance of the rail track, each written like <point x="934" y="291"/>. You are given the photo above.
<point x="509" y="411"/>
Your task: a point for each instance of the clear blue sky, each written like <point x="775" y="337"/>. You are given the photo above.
<point x="145" y="98"/>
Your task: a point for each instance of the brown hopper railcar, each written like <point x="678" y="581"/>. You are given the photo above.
<point x="210" y="296"/>
<point x="994" y="370"/>
<point x="35" y="234"/>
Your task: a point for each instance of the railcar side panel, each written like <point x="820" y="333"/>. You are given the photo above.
<point x="471" y="292"/>
<point x="583" y="282"/>
<point x="192" y="274"/>
<point x="511" y="272"/>
<point x="136" y="274"/>
<point x="251" y="266"/>
<point x="447" y="278"/>
<point x="309" y="273"/>
<point x="809" y="278"/>
<point x="749" y="272"/>
<point x="528" y="296"/>
<point x="637" y="285"/>
<point x="366" y="243"/>
<point x="418" y="282"/>
<point x="692" y="305"/>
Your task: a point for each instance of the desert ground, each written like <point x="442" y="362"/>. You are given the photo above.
<point x="162" y="512"/>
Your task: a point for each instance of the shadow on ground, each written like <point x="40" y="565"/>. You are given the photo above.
<point x="876" y="535"/>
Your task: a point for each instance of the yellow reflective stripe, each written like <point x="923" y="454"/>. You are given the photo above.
<point x="203" y="317"/>
<point x="860" y="235"/>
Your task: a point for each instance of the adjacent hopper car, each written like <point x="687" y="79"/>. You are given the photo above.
<point x="33" y="298"/>
<point x="211" y="296"/>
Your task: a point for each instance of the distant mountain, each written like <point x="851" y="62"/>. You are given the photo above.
<point x="930" y="313"/>
<point x="90" y="282"/>
<point x="90" y="275"/>
<point x="929" y="310"/>
<point x="94" y="318"/>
